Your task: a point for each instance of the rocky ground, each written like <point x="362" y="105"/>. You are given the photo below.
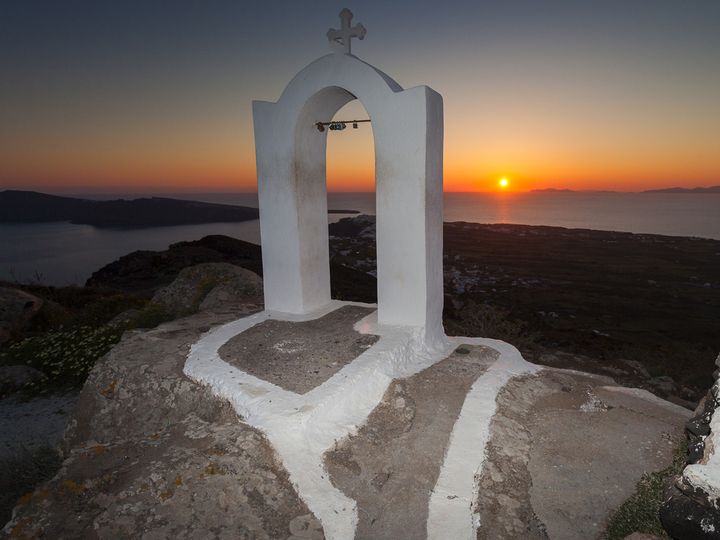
<point x="148" y="450"/>
<point x="151" y="454"/>
<point x="566" y="450"/>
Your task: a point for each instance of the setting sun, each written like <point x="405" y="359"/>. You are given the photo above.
<point x="503" y="183"/>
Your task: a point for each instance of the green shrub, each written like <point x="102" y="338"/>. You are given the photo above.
<point x="640" y="513"/>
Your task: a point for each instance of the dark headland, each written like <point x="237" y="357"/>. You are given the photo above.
<point x="34" y="207"/>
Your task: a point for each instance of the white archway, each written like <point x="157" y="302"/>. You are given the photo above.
<point x="290" y="152"/>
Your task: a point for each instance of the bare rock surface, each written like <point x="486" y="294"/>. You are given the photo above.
<point x="391" y="466"/>
<point x="151" y="454"/>
<point x="298" y="356"/>
<point x="209" y="286"/>
<point x="566" y="450"/>
<point x="504" y="501"/>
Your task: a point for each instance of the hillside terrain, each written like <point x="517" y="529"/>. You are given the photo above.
<point x="604" y="299"/>
<point x="638" y="307"/>
<point x="610" y="315"/>
<point x="558" y="293"/>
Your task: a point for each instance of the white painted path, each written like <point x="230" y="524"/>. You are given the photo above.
<point x="303" y="427"/>
<point x="454" y="499"/>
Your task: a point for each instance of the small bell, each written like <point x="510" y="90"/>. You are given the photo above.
<point x="355" y="125"/>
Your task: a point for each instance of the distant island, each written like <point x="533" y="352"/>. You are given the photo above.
<point x="711" y="189"/>
<point x="567" y="190"/>
<point x="35" y="207"/>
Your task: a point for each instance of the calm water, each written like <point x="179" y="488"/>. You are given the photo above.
<point x="61" y="253"/>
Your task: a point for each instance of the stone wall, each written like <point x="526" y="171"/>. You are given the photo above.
<point x="692" y="507"/>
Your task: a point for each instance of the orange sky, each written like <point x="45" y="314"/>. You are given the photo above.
<point x="535" y="149"/>
<point x="598" y="97"/>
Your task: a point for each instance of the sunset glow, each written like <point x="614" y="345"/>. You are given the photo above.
<point x="132" y="110"/>
<point x="503" y="183"/>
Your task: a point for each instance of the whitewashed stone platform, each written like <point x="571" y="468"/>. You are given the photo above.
<point x="316" y="434"/>
<point x="303" y="427"/>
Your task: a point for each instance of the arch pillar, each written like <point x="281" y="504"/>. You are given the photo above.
<point x="290" y="154"/>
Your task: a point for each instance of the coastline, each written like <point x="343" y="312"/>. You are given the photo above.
<point x="61" y="253"/>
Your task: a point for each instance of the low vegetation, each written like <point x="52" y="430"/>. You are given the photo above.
<point x="640" y="513"/>
<point x="75" y="327"/>
<point x="486" y="320"/>
<point x="64" y="356"/>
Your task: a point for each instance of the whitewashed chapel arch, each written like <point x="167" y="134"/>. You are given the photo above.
<point x="291" y="168"/>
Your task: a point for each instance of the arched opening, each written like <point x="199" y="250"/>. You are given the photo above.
<point x="350" y="180"/>
<point x="291" y="166"/>
<point x="351" y="153"/>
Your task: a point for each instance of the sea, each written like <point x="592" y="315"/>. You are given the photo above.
<point x="63" y="254"/>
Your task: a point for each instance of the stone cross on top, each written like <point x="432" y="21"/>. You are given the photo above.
<point x="340" y="39"/>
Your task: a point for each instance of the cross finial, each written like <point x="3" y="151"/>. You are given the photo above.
<point x="340" y="39"/>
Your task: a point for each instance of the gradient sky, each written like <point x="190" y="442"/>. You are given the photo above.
<point x="154" y="96"/>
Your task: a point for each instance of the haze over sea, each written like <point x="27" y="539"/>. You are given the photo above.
<point x="62" y="253"/>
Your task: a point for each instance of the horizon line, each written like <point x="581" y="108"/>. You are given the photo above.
<point x="90" y="191"/>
